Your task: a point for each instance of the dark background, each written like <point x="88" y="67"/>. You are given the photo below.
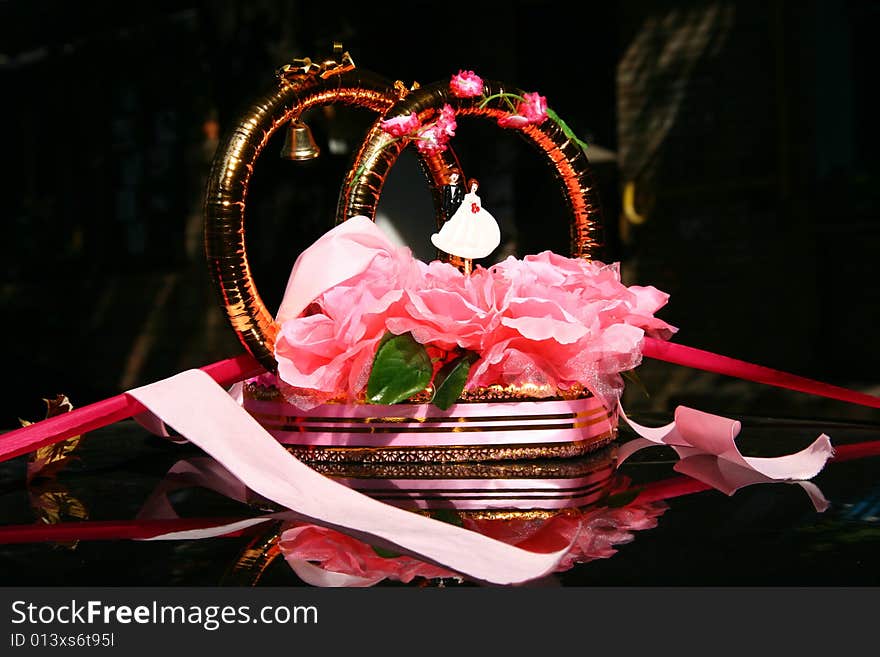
<point x="745" y="131"/>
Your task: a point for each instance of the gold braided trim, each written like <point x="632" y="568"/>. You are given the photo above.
<point x="450" y="453"/>
<point x="593" y="462"/>
<point x="493" y="393"/>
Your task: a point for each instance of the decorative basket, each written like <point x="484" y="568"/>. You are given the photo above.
<point x="509" y="428"/>
<point x="494" y="422"/>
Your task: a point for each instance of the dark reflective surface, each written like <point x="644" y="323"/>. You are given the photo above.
<point x="639" y="524"/>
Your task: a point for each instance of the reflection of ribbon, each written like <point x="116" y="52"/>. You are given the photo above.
<point x="345" y="561"/>
<point x="158" y="520"/>
<point x="706" y="445"/>
<point x="92" y="530"/>
<point x="590" y="530"/>
<point x="261" y="464"/>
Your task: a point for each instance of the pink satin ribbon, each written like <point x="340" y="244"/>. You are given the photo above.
<point x="351" y="247"/>
<point x="707" y="450"/>
<point x="425" y="425"/>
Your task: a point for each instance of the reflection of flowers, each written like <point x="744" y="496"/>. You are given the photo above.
<point x="593" y="533"/>
<point x="336" y="552"/>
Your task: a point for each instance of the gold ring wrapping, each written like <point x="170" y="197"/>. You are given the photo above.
<point x="225" y="215"/>
<point x="228" y="187"/>
<point x="569" y="162"/>
<point x="378" y="156"/>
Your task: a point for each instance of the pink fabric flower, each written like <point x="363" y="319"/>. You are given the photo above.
<point x="434" y="138"/>
<point x="545" y="319"/>
<point x="330" y="351"/>
<point x="513" y="121"/>
<point x="446" y="120"/>
<point x="531" y="110"/>
<point x="533" y="107"/>
<point x="447" y="311"/>
<point x="564" y="321"/>
<point x="431" y="140"/>
<point x="466" y="84"/>
<point x="327" y="355"/>
<point x="400" y="126"/>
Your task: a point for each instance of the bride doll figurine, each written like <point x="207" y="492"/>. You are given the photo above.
<point x="471" y="232"/>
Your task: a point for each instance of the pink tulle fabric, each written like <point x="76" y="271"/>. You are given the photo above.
<point x="545" y="319"/>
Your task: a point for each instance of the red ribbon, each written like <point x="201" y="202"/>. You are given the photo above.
<point x="106" y="412"/>
<point x="706" y="360"/>
<point x="226" y="372"/>
<point x="90" y="530"/>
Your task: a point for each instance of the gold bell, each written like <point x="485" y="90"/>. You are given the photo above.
<point x="299" y="143"/>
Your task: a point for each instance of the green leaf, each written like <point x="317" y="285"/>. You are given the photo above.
<point x="385" y="554"/>
<point x="448" y="516"/>
<point x="566" y="130"/>
<point x="401" y="369"/>
<point x="450" y="380"/>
